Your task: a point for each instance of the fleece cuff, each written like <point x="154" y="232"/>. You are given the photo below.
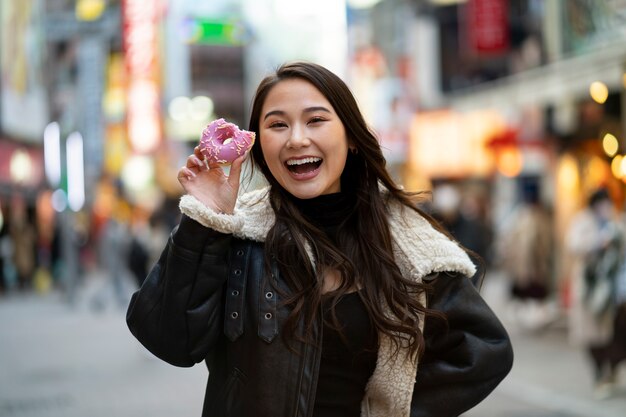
<point x="224" y="223"/>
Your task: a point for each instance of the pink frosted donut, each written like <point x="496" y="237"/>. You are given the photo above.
<point x="222" y="142"/>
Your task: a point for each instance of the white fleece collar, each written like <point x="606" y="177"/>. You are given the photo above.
<point x="419" y="250"/>
<point x="426" y="250"/>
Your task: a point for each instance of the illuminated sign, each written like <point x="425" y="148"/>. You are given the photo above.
<point x="488" y="26"/>
<point x="214" y="32"/>
<point x="21" y="165"/>
<point x="140" y="19"/>
<point x="446" y="144"/>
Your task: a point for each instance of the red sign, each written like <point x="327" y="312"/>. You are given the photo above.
<point x="141" y="18"/>
<point x="488" y="26"/>
<point x="28" y="172"/>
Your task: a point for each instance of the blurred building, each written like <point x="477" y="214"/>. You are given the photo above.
<point x="515" y="92"/>
<point x="23" y="99"/>
<point x="495" y="96"/>
<point x="102" y="100"/>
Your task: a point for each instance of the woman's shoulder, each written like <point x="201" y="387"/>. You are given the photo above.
<point x="405" y="215"/>
<point x="422" y="246"/>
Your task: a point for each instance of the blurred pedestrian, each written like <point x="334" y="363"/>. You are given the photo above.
<point x="8" y="274"/>
<point x="526" y="253"/>
<point x="114" y="248"/>
<point x="149" y="233"/>
<point x="159" y="228"/>
<point x="308" y="298"/>
<point x="446" y="206"/>
<point x="23" y="237"/>
<point x="474" y="231"/>
<point x="138" y="251"/>
<point x="596" y="239"/>
<point x="462" y="215"/>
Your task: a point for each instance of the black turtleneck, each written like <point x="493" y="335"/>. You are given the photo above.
<point x="346" y="365"/>
<point x="327" y="211"/>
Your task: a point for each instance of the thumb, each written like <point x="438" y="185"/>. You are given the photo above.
<point x="235" y="171"/>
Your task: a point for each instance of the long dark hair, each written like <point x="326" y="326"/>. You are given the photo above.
<point x="364" y="240"/>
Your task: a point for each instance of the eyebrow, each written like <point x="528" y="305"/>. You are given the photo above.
<point x="307" y="110"/>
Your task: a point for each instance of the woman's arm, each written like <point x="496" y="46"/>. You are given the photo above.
<point x="177" y="313"/>
<point x="466" y="357"/>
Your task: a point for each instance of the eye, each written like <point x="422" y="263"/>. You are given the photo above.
<point x="277" y="124"/>
<point x="316" y="119"/>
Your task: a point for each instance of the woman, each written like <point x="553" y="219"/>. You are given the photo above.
<point x="596" y="240"/>
<point x="309" y="297"/>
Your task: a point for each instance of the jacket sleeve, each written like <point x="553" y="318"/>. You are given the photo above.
<point x="177" y="314"/>
<point x="465" y="357"/>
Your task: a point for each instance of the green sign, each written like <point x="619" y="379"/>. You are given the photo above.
<point x="215" y="32"/>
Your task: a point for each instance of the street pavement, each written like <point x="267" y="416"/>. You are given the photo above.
<point x="550" y="377"/>
<point x="61" y="360"/>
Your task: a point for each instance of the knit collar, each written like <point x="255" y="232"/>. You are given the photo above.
<point x="327" y="211"/>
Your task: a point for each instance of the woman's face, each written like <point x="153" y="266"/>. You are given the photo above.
<point x="303" y="140"/>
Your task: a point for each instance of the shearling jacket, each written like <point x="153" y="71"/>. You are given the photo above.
<point x="207" y="299"/>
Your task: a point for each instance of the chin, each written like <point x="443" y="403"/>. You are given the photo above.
<point x="304" y="193"/>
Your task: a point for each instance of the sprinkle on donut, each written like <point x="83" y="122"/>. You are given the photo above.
<point x="222" y="142"/>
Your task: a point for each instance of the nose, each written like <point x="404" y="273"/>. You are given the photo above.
<point x="298" y="138"/>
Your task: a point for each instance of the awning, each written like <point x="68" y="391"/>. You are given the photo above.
<point x="550" y="84"/>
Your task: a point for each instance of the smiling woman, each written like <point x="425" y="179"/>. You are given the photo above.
<point x="319" y="295"/>
<point x="304" y="142"/>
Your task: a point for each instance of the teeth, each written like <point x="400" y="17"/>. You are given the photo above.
<point x="303" y="161"/>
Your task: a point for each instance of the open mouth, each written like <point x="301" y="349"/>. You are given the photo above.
<point x="304" y="165"/>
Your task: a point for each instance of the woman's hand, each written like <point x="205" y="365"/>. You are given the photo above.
<point x="209" y="184"/>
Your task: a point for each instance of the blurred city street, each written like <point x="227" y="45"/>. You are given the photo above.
<point x="62" y="361"/>
<point x="65" y="361"/>
<point x="550" y="378"/>
<point x="507" y="116"/>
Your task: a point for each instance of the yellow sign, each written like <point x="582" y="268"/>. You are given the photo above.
<point x="89" y="10"/>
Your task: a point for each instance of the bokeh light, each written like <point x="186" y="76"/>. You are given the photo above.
<point x="610" y="144"/>
<point x="599" y="91"/>
<point x="510" y="162"/>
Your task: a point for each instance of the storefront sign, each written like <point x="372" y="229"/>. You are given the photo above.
<point x="140" y="19"/>
<point x="488" y="26"/>
<point x="215" y="32"/>
<point x="447" y="144"/>
<point x="23" y="101"/>
<point x="20" y="165"/>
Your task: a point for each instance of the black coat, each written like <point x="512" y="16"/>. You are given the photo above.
<point x="207" y="299"/>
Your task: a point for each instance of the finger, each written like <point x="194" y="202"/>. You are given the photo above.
<point x="213" y="165"/>
<point x="194" y="162"/>
<point x="201" y="157"/>
<point x="186" y="174"/>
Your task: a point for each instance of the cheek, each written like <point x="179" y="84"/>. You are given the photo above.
<point x="270" y="155"/>
<point x="341" y="165"/>
<point x="341" y="155"/>
<point x="337" y="162"/>
<point x="266" y="148"/>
